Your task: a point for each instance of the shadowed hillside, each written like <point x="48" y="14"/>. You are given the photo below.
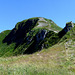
<point x="31" y="35"/>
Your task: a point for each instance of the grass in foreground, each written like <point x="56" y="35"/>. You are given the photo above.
<point x="52" y="61"/>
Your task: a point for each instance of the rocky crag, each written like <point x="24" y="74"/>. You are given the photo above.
<point x="32" y="35"/>
<point x="68" y="27"/>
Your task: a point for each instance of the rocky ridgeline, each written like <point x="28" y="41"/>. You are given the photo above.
<point x="42" y="22"/>
<point x="67" y="28"/>
<point x="34" y="34"/>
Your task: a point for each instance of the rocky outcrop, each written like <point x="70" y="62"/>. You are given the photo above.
<point x="67" y="28"/>
<point x="32" y="35"/>
<point x="41" y="35"/>
<point x="42" y="22"/>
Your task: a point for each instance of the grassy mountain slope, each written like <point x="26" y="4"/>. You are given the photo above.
<point x="29" y="36"/>
<point x="69" y="42"/>
<point x="59" y="59"/>
<point x="51" y="61"/>
<point x="3" y="46"/>
<point x="56" y="60"/>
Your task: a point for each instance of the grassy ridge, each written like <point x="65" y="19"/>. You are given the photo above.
<point x="53" y="25"/>
<point x="3" y="35"/>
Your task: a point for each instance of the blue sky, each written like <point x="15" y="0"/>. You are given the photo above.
<point x="13" y="11"/>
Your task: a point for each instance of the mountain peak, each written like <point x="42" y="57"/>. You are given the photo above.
<point x="34" y="34"/>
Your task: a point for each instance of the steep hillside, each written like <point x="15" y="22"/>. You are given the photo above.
<point x="33" y="35"/>
<point x="57" y="55"/>
<point x="70" y="35"/>
<point x="29" y="36"/>
<point x="55" y="60"/>
<point x="68" y="41"/>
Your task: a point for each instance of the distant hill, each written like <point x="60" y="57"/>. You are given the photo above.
<point x="29" y="36"/>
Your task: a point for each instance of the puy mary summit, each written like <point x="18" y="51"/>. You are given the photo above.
<point x="31" y="35"/>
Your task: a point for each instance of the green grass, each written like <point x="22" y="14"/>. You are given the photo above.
<point x="55" y="60"/>
<point x="53" y="25"/>
<point x="4" y="48"/>
<point x="51" y="61"/>
<point x="3" y="35"/>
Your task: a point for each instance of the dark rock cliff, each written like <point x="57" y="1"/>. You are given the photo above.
<point x="67" y="28"/>
<point x="34" y="34"/>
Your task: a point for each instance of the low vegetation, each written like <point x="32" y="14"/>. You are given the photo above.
<point x="51" y="61"/>
<point x="22" y="54"/>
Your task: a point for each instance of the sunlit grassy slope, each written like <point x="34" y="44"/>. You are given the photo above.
<point x="51" y="61"/>
<point x="4" y="48"/>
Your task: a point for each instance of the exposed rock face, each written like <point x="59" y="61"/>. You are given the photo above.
<point x="42" y="22"/>
<point x="32" y="35"/>
<point x="18" y="34"/>
<point x="68" y="27"/>
<point x="41" y="35"/>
